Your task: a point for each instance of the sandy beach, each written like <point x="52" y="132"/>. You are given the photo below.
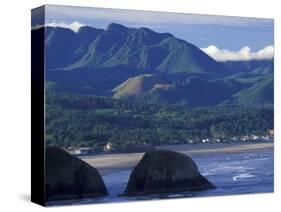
<point x="110" y="163"/>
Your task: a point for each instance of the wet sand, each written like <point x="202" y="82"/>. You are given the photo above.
<point x="109" y="163"/>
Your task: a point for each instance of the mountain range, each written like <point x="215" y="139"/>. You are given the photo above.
<point x="142" y="64"/>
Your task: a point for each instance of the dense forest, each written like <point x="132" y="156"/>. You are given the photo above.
<point x="89" y="121"/>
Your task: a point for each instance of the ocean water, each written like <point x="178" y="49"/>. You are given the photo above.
<point x="231" y="173"/>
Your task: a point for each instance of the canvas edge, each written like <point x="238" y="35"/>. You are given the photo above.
<point x="38" y="113"/>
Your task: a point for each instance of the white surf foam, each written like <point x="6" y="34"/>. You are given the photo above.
<point x="242" y="176"/>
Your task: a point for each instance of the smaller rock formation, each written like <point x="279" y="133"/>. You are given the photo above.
<point x="68" y="177"/>
<point x="163" y="171"/>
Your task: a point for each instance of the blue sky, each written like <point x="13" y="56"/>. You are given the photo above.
<point x="224" y="32"/>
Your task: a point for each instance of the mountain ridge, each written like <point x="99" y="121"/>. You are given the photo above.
<point x="120" y="61"/>
<point x="138" y="48"/>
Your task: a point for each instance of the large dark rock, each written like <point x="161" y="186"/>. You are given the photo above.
<point x="165" y="171"/>
<point x="69" y="177"/>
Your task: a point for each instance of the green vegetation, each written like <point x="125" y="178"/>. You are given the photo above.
<point x="260" y="93"/>
<point x="79" y="121"/>
<point x="153" y="89"/>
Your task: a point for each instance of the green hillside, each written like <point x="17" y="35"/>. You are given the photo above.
<point x="74" y="120"/>
<point x="260" y="93"/>
<point x="139" y="85"/>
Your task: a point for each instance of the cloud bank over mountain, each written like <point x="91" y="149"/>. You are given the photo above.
<point x="244" y="53"/>
<point x="74" y="26"/>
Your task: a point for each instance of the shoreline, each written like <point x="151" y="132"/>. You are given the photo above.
<point x="224" y="148"/>
<point x="110" y="163"/>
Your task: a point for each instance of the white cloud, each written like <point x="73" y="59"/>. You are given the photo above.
<point x="74" y="26"/>
<point x="244" y="53"/>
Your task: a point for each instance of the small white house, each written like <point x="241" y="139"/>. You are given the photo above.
<point x="190" y="141"/>
<point x="108" y="147"/>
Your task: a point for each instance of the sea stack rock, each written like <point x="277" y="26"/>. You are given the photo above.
<point x="68" y="177"/>
<point x="163" y="171"/>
